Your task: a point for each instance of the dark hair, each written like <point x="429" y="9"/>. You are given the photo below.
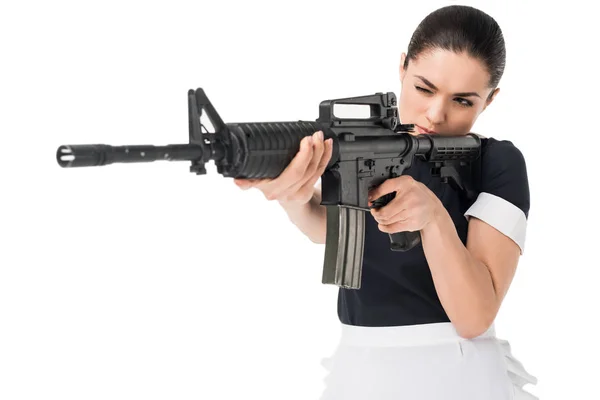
<point x="461" y="29"/>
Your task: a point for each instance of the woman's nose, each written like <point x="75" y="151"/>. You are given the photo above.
<point x="436" y="112"/>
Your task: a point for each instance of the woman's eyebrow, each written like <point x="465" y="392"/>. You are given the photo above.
<point x="432" y="86"/>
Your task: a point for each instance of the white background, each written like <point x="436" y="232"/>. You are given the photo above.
<point x="146" y="281"/>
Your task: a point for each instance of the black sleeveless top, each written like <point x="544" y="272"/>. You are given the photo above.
<point x="397" y="287"/>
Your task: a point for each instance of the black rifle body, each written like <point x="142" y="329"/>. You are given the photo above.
<point x="366" y="152"/>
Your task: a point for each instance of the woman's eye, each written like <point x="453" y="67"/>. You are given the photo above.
<point x="421" y="89"/>
<point x="464" y="102"/>
<point x="459" y="100"/>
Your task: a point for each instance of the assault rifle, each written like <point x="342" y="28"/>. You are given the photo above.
<point x="366" y="152"/>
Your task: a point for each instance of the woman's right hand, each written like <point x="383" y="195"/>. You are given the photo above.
<point x="295" y="185"/>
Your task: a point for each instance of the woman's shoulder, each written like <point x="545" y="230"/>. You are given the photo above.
<point x="501" y="156"/>
<point x="492" y="146"/>
<point x="504" y="171"/>
<point x="504" y="198"/>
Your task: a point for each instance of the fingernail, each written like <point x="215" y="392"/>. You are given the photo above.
<point x="320" y="135"/>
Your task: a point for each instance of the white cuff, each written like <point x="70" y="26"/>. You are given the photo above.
<point x="502" y="215"/>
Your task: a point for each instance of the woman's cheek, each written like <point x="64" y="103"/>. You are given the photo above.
<point x="409" y="108"/>
<point x="461" y="123"/>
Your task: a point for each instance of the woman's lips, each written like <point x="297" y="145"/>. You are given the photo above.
<point x="422" y="130"/>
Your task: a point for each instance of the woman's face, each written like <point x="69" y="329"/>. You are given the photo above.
<point x="443" y="92"/>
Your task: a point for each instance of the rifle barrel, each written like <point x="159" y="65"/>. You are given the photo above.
<point x="92" y="155"/>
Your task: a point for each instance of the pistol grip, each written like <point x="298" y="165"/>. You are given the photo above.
<point x="399" y="241"/>
<point x="404" y="241"/>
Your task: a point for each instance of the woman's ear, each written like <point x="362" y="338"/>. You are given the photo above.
<point x="491" y="98"/>
<point x="402" y="70"/>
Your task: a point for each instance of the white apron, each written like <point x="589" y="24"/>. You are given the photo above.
<point x="423" y="362"/>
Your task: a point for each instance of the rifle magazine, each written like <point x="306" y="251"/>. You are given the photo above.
<point x="344" y="247"/>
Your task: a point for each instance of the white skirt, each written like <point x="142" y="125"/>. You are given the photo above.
<point x="423" y="362"/>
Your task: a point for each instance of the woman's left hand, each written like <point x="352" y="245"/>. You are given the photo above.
<point x="413" y="208"/>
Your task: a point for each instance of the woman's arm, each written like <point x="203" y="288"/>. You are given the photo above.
<point x="470" y="281"/>
<point x="310" y="217"/>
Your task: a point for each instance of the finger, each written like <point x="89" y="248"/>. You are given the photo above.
<point x="310" y="182"/>
<point x="318" y="149"/>
<point x="403" y="226"/>
<point x="396" y="204"/>
<point x="245" y="184"/>
<point x="315" y="167"/>
<point x="323" y="162"/>
<point x="282" y="192"/>
<point x="387" y="186"/>
<point x="293" y="172"/>
<point x="401" y="215"/>
<point x="402" y="201"/>
<point x="397" y="184"/>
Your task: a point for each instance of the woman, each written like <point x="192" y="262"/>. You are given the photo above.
<point x="421" y="325"/>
